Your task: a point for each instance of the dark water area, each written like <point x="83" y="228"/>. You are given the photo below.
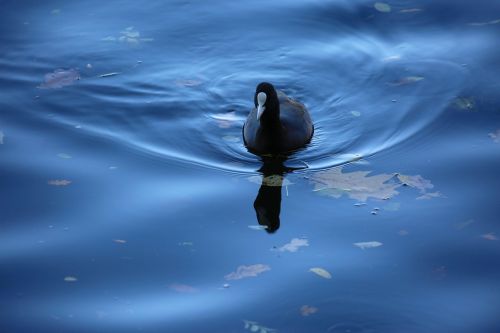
<point x="127" y="194"/>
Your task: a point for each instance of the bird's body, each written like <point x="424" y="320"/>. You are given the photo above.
<point x="277" y="124"/>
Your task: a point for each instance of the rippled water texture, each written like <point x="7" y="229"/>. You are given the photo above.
<point x="128" y="201"/>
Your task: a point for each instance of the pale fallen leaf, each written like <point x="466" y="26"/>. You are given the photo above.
<point x="382" y="7"/>
<point x="368" y="245"/>
<point x="59" y="182"/>
<point x="60" y="78"/>
<point x="119" y="241"/>
<point x="247" y="271"/>
<point x="428" y="196"/>
<point x="356" y="113"/>
<point x="1" y="137"/>
<point x="407" y="80"/>
<point x="307" y="310"/>
<point x="495" y="136"/>
<point x="109" y="74"/>
<point x="464" y="103"/>
<point x="294" y="245"/>
<point x="272" y="180"/>
<point x="490" y="236"/>
<point x="411" y="10"/>
<point x="182" y="288"/>
<point x="321" y="272"/>
<point x="357" y="185"/>
<point x="70" y="279"/>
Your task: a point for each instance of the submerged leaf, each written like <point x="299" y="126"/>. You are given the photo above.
<point x="247" y="271"/>
<point x="59" y="182"/>
<point x="119" y="241"/>
<point x="321" y="272"/>
<point x="294" y="245"/>
<point x="410" y="10"/>
<point x="490" y="236"/>
<point x="382" y="7"/>
<point x="408" y="80"/>
<point x="1" y="137"/>
<point x="182" y="288"/>
<point x="495" y="136"/>
<point x="60" y="78"/>
<point x="467" y="104"/>
<point x="64" y="156"/>
<point x="307" y="310"/>
<point x="70" y="279"/>
<point x="368" y="245"/>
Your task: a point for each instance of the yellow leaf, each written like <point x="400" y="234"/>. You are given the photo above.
<point x="321" y="272"/>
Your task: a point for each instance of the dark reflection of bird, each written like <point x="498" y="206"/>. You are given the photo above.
<point x="268" y="202"/>
<point x="277" y="124"/>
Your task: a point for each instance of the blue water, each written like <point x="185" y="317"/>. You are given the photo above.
<point x="127" y="195"/>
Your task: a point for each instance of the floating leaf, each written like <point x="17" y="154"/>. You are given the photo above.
<point x="410" y="10"/>
<point x="109" y="74"/>
<point x="247" y="271"/>
<point x="382" y="7"/>
<point x="368" y="245"/>
<point x="60" y="78"/>
<point x="294" y="245"/>
<point x="1" y="137"/>
<point x="495" y="136"/>
<point x="428" y="196"/>
<point x="59" y="182"/>
<point x="182" y="288"/>
<point x="321" y="272"/>
<point x="307" y="310"/>
<point x="356" y="113"/>
<point x="490" y="236"/>
<point x="408" y="80"/>
<point x="70" y="279"/>
<point x="272" y="180"/>
<point x="119" y="241"/>
<point x="357" y="185"/>
<point x="467" y="104"/>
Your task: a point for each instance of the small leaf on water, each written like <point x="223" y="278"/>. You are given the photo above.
<point x="119" y="241"/>
<point x="356" y="113"/>
<point x="59" y="182"/>
<point x="382" y="7"/>
<point x="247" y="271"/>
<point x="60" y="78"/>
<point x="368" y="245"/>
<point x="467" y="104"/>
<point x="109" y="74"/>
<point x="294" y="245"/>
<point x="70" y="279"/>
<point x="307" y="310"/>
<point x="321" y="272"/>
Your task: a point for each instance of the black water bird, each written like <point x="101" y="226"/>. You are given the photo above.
<point x="277" y="124"/>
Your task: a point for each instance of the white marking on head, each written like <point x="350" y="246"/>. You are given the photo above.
<point x="261" y="100"/>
